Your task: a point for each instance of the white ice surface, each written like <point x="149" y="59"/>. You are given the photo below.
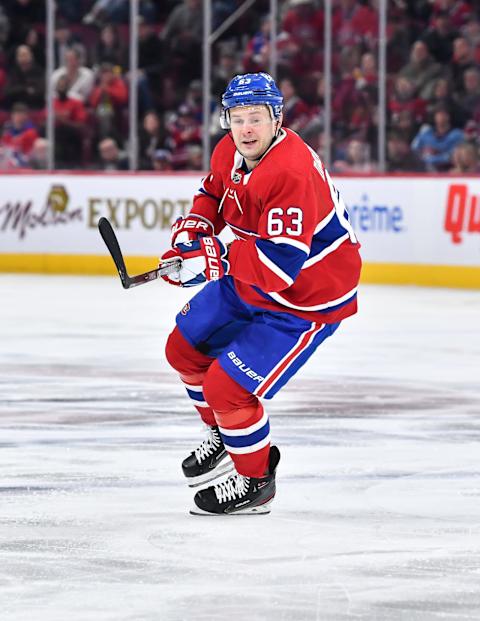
<point x="377" y="515"/>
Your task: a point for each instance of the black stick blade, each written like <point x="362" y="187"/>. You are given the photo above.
<point x="108" y="234"/>
<point x="110" y="239"/>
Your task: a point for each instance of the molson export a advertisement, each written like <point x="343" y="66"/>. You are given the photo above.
<point x="49" y="223"/>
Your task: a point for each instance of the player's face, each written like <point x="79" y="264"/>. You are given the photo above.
<point x="253" y="130"/>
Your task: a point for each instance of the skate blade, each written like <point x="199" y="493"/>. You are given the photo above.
<point x="258" y="510"/>
<point x="211" y="476"/>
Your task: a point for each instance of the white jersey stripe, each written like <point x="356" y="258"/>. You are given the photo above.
<point x="326" y="251"/>
<point x="278" y="298"/>
<point x="323" y="223"/>
<point x="273" y="267"/>
<point x="291" y="242"/>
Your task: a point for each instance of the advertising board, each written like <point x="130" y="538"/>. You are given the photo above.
<point x="423" y="230"/>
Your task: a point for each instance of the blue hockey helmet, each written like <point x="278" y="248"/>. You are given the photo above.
<point x="251" y="89"/>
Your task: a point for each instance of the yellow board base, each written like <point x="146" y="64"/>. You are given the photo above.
<point x="458" y="276"/>
<point x="463" y="277"/>
<point x="72" y="264"/>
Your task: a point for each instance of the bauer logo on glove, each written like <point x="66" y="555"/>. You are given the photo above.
<point x="203" y="260"/>
<point x="190" y="228"/>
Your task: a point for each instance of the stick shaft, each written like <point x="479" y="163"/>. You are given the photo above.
<point x="110" y="239"/>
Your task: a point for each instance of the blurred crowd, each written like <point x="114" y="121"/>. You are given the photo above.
<point x="433" y="81"/>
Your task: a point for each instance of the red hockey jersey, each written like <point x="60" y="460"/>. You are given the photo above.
<point x="295" y="249"/>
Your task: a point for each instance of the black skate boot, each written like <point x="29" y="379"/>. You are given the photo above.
<point x="208" y="462"/>
<point x="238" y="494"/>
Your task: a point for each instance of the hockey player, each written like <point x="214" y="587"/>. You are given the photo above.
<point x="273" y="295"/>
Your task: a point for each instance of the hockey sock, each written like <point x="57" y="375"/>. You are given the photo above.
<point x="242" y="421"/>
<point x="246" y="435"/>
<point x="194" y="387"/>
<point x="192" y="366"/>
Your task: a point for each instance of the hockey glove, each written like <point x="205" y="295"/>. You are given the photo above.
<point x="190" y="229"/>
<point x="203" y="260"/>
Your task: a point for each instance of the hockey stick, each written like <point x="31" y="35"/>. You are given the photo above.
<point x="110" y="239"/>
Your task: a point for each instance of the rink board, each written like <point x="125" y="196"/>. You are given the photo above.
<point x="413" y="230"/>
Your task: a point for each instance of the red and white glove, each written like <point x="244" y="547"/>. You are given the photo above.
<point x="203" y="260"/>
<point x="190" y="228"/>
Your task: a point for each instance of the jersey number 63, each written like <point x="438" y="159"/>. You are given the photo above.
<point x="281" y="221"/>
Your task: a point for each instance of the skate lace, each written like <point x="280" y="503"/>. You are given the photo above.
<point x="208" y="446"/>
<point x="233" y="488"/>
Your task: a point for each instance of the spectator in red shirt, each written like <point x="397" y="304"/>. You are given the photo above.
<point x="346" y="96"/>
<point x="108" y="99"/>
<point x="67" y="109"/>
<point x="303" y="47"/>
<point x="303" y="22"/>
<point x="354" y="24"/>
<point x="19" y="134"/>
<point x="404" y="98"/>
<point x="70" y="126"/>
<point x="183" y="130"/>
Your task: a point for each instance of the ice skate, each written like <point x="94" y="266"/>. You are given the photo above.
<point x="207" y="462"/>
<point x="239" y="495"/>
